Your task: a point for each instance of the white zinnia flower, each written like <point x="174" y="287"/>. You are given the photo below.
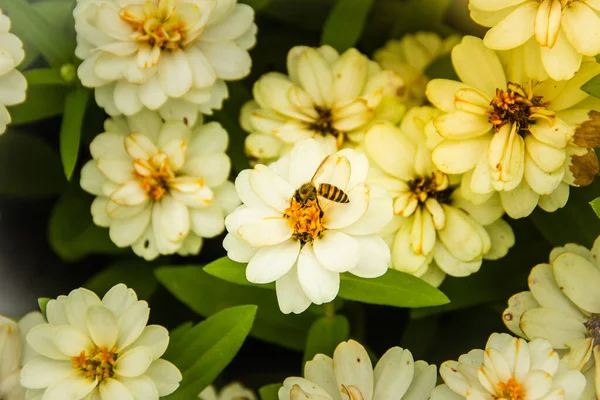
<point x="99" y="349"/>
<point x="168" y="55"/>
<point x="410" y="57"/>
<point x="304" y="245"/>
<point x="14" y="352"/>
<point x="350" y="375"/>
<point x="557" y="33"/>
<point x="434" y="226"/>
<point x="161" y="187"/>
<point x="510" y="369"/>
<point x="563" y="306"/>
<point x="326" y="96"/>
<point x="232" y="391"/>
<point x="509" y="133"/>
<point x="13" y="84"/>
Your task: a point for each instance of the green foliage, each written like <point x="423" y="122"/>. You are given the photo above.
<point x="324" y="336"/>
<point x="269" y="392"/>
<point x="203" y="351"/>
<point x="71" y="230"/>
<point x="43" y="303"/>
<point x="207" y="295"/>
<point x="592" y="87"/>
<point x="29" y="168"/>
<point x="416" y="15"/>
<point x="70" y="130"/>
<point x="345" y="23"/>
<point x="32" y="27"/>
<point x="395" y="288"/>
<point x="45" y="76"/>
<point x="596" y="206"/>
<point x="136" y="274"/>
<point x="43" y="101"/>
<point x="575" y="223"/>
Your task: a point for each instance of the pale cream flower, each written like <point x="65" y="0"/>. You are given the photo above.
<point x="511" y="134"/>
<point x="231" y="391"/>
<point x="300" y="239"/>
<point x="96" y="349"/>
<point x="511" y="369"/>
<point x="434" y="227"/>
<point x="14" y="353"/>
<point x="350" y="375"/>
<point x="326" y="96"/>
<point x="161" y="187"/>
<point x="563" y="307"/>
<point x="173" y="56"/>
<point x="13" y="84"/>
<point x="556" y="33"/>
<point x="410" y="57"/>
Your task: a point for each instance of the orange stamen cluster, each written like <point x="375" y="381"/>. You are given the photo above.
<point x="154" y="181"/>
<point x="306" y="219"/>
<point x="511" y="390"/>
<point x="160" y="27"/>
<point x="514" y="106"/>
<point x="98" y="364"/>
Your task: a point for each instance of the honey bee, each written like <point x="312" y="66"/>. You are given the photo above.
<point x="309" y="190"/>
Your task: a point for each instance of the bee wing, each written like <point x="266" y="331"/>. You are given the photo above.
<point x="329" y="160"/>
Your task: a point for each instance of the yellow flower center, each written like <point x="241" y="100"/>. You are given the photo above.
<point x="435" y="186"/>
<point x="511" y="390"/>
<point x="306" y="219"/>
<point x="516" y="106"/>
<point x="154" y="175"/>
<point x="98" y="364"/>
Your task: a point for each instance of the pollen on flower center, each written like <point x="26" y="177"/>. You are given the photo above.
<point x="324" y="125"/>
<point x="515" y="106"/>
<point x="98" y="364"/>
<point x="154" y="175"/>
<point x="156" y="22"/>
<point x="435" y="186"/>
<point x="306" y="219"/>
<point x="592" y="325"/>
<point x="511" y="390"/>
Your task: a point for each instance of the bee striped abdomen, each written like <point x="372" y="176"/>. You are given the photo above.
<point x="333" y="193"/>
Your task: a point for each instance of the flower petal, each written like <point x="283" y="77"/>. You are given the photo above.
<point x="336" y="251"/>
<point x="319" y="284"/>
<point x="272" y="262"/>
<point x="577" y="278"/>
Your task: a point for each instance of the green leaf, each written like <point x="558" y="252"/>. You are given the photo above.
<point x="70" y="130"/>
<point x="304" y="14"/>
<point x="230" y="271"/>
<point x="29" y="167"/>
<point x="43" y="101"/>
<point x="30" y="25"/>
<point x="229" y="118"/>
<point x="575" y="223"/>
<point x="71" y="230"/>
<point x="442" y="68"/>
<point x="269" y="392"/>
<point x="136" y="274"/>
<point x="395" y="288"/>
<point x="206" y="295"/>
<point x="345" y="23"/>
<point x="43" y="303"/>
<point x="596" y="206"/>
<point x="416" y="15"/>
<point x="324" y="336"/>
<point x="592" y="87"/>
<point x="257" y="5"/>
<point x="44" y="76"/>
<point x="206" y="349"/>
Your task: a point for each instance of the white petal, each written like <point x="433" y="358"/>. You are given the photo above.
<point x="514" y="30"/>
<point x="175" y="73"/>
<point x="165" y="376"/>
<point x="374" y="257"/>
<point x="42" y="372"/>
<point x="131" y="324"/>
<point x="319" y="284"/>
<point x="272" y="262"/>
<point x="353" y="367"/>
<point x="290" y="295"/>
<point x="113" y="389"/>
<point x="133" y="362"/>
<point x="270" y="187"/>
<point x="519" y="202"/>
<point x="102" y="326"/>
<point x="393" y="373"/>
<point x="577" y="278"/>
<point x="556" y="327"/>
